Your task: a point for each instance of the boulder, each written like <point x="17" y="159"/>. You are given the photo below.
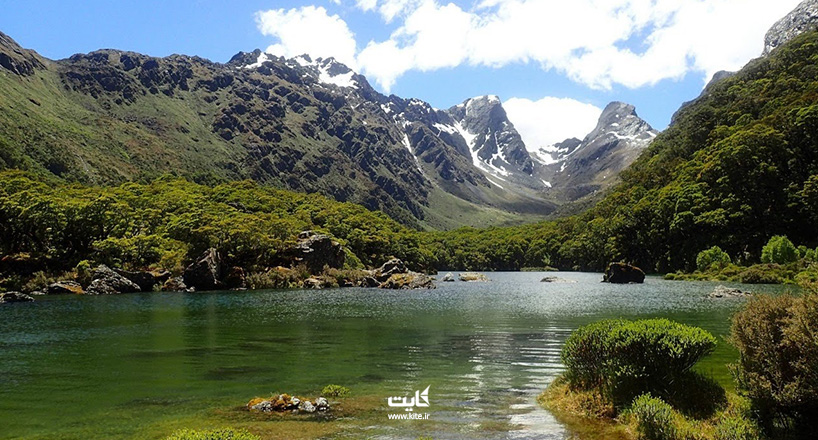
<point x="235" y="278"/>
<point x="175" y="284"/>
<point x="318" y="251"/>
<point x="107" y="282"/>
<point x="65" y="288"/>
<point x="391" y="267"/>
<point x="321" y="404"/>
<point x="409" y="280"/>
<point x="557" y="280"/>
<point x="370" y="282"/>
<point x="622" y="273"/>
<point x="318" y="282"/>
<point x="205" y="273"/>
<point x="307" y="406"/>
<point x="473" y="277"/>
<point x="727" y="292"/>
<point x="145" y="280"/>
<point x="13" y="297"/>
<point x="448" y="278"/>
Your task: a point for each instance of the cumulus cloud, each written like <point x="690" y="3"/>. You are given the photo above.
<point x="550" y="120"/>
<point x="634" y="43"/>
<point x="309" y="30"/>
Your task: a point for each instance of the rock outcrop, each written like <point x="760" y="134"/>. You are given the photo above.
<point x="621" y="273"/>
<point x="286" y="403"/>
<point x="802" y="19"/>
<point x="318" y="251"/>
<point x="14" y="297"/>
<point x="145" y="280"/>
<point x="64" y="288"/>
<point x="205" y="273"/>
<point x="105" y="281"/>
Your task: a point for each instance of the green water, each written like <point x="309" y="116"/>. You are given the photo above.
<point x="110" y="367"/>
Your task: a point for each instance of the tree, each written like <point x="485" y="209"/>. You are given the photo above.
<point x="713" y="258"/>
<point x="779" y="250"/>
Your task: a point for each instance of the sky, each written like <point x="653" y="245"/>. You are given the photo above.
<point x="554" y="63"/>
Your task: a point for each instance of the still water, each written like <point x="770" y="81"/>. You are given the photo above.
<point x="121" y="366"/>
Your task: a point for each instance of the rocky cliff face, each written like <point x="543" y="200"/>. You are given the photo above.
<point x="803" y="18"/>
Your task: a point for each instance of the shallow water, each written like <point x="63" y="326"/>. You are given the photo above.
<point x="106" y="367"/>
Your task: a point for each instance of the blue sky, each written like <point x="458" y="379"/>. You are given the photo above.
<point x="554" y="63"/>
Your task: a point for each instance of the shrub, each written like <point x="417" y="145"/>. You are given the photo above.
<point x="779" y="250"/>
<point x="778" y="361"/>
<point x="335" y="391"/>
<point x="736" y="428"/>
<point x="713" y="258"/>
<point x="628" y="358"/>
<point x="216" y="434"/>
<point x="654" y="418"/>
<point x="762" y="274"/>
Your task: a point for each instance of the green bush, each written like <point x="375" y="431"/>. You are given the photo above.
<point x="654" y="418"/>
<point x="775" y="337"/>
<point x="216" y="434"/>
<point x="626" y="358"/>
<point x="335" y="391"/>
<point x="736" y="428"/>
<point x="762" y="274"/>
<point x="712" y="259"/>
<point x="779" y="250"/>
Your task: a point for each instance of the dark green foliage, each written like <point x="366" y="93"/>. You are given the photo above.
<point x="776" y="338"/>
<point x="762" y="274"/>
<point x="654" y="418"/>
<point x="713" y="258"/>
<point x="626" y="358"/>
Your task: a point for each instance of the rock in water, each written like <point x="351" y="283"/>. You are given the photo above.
<point x="176" y="284"/>
<point x="621" y="273"/>
<point x="145" y="280"/>
<point x="65" y="288"/>
<point x="408" y="281"/>
<point x="557" y="280"/>
<point x="317" y="251"/>
<point x="473" y="277"/>
<point x="448" y="278"/>
<point x="12" y="297"/>
<point x="205" y="273"/>
<point x="307" y="406"/>
<point x="727" y="292"/>
<point x="321" y="404"/>
<point x="394" y="266"/>
<point x="107" y="282"/>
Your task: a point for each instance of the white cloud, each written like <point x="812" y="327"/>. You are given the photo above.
<point x="308" y="30"/>
<point x="551" y="120"/>
<point x="634" y="43"/>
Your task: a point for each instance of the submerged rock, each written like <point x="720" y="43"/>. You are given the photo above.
<point x="204" y="274"/>
<point x="728" y="292"/>
<point x="557" y="280"/>
<point x="622" y="273"/>
<point x="65" y="288"/>
<point x="472" y="277"/>
<point x="13" y="297"/>
<point x="107" y="282"/>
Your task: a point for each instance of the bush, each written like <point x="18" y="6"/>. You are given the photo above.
<point x="779" y="250"/>
<point x="778" y="360"/>
<point x="762" y="274"/>
<point x="736" y="428"/>
<point x="713" y="258"/>
<point x="627" y="358"/>
<point x="654" y="418"/>
<point x="217" y="434"/>
<point x="335" y="391"/>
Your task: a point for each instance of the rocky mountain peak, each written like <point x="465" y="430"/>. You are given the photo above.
<point x="803" y="18"/>
<point x="19" y="61"/>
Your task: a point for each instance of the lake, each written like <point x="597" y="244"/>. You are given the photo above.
<point x="142" y="365"/>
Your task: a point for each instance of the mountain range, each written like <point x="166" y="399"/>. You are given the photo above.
<point x="310" y="125"/>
